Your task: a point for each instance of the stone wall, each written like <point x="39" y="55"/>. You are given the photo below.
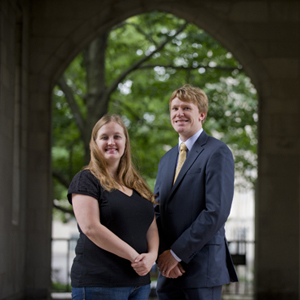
<point x="39" y="38"/>
<point x="13" y="147"/>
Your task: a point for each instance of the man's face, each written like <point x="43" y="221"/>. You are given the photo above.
<point x="185" y="118"/>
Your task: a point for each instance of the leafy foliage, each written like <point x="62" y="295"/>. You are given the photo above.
<point x="147" y="57"/>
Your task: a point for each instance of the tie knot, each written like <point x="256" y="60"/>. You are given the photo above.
<point x="183" y="147"/>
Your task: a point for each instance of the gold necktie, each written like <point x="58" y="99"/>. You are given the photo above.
<point x="181" y="159"/>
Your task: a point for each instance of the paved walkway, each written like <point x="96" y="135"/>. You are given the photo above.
<point x="67" y="296"/>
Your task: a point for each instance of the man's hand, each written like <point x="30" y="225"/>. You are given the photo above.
<point x="167" y="263"/>
<point x="176" y="272"/>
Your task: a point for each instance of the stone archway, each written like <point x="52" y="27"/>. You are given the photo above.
<point x="80" y="34"/>
<point x="260" y="34"/>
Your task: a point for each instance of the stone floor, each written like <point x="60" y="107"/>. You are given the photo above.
<point x="67" y="296"/>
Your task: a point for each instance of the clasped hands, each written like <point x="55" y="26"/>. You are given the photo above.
<point x="143" y="263"/>
<point x="169" y="266"/>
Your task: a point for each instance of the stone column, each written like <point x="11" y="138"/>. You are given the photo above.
<point x="39" y="191"/>
<point x="277" y="205"/>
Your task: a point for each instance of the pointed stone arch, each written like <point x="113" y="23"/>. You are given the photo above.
<point x="260" y="34"/>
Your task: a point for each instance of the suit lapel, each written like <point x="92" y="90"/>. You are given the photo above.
<point x="196" y="150"/>
<point x="168" y="173"/>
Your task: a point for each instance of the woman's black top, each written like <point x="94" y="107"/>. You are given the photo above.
<point x="129" y="217"/>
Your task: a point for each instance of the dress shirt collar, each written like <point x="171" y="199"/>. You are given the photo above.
<point x="191" y="141"/>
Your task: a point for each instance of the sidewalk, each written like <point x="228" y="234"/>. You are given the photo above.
<point x="67" y="296"/>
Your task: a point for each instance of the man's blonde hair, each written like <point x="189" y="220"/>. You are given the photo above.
<point x="195" y="95"/>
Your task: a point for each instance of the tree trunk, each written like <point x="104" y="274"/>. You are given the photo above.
<point x="96" y="98"/>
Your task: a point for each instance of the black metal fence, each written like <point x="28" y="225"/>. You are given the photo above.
<point x="242" y="253"/>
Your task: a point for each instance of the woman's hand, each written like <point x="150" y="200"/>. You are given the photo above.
<point x="143" y="263"/>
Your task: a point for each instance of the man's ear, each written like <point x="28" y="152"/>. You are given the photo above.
<point x="202" y="116"/>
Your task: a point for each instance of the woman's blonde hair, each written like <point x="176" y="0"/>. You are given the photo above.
<point x="127" y="175"/>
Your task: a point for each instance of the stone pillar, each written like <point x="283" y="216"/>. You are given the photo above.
<point x="13" y="153"/>
<point x="39" y="177"/>
<point x="277" y="205"/>
<point x="39" y="191"/>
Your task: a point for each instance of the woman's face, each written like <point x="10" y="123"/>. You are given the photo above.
<point x="111" y="142"/>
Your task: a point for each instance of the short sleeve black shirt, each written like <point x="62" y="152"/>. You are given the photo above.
<point x="129" y="217"/>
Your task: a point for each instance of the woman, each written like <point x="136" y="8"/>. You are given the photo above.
<point x="113" y="206"/>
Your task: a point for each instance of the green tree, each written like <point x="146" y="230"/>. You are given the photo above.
<point x="132" y="70"/>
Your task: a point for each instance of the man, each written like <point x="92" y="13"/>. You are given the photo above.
<point x="194" y="260"/>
